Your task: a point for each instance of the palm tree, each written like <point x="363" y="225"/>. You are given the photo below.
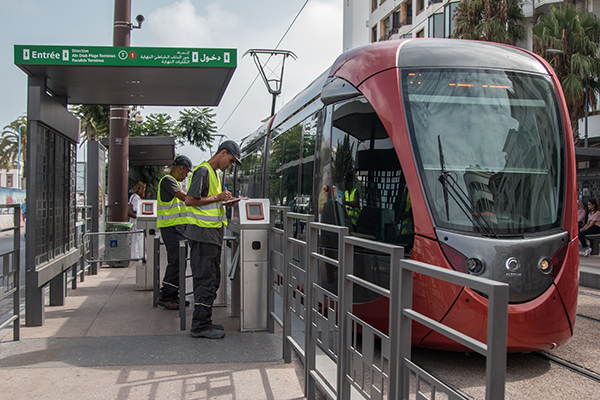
<point x="568" y="38"/>
<point x="95" y="120"/>
<point x="490" y="20"/>
<point x="9" y="143"/>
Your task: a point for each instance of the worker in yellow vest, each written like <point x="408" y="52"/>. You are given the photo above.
<point x="206" y="219"/>
<point x="351" y="198"/>
<point x="172" y="220"/>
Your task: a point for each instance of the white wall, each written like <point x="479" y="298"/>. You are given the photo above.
<point x="356" y="29"/>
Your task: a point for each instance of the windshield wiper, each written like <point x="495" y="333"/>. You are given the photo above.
<point x="461" y="198"/>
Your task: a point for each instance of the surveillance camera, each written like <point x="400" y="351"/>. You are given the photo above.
<point x="138" y="118"/>
<point x="140" y="18"/>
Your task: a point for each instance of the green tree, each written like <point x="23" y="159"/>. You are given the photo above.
<point x="490" y="20"/>
<point x="95" y="120"/>
<point x="568" y="38"/>
<point x="9" y="143"/>
<point x="194" y="126"/>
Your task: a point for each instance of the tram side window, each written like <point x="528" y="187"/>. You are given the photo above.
<point x="368" y="185"/>
<point x="309" y="139"/>
<point x="290" y="168"/>
<point x="249" y="174"/>
<point x="275" y="163"/>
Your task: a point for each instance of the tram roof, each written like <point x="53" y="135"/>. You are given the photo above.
<point x="360" y="63"/>
<point x="131" y="75"/>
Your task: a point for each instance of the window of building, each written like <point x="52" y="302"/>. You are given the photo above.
<point x="409" y="13"/>
<point x="420" y="7"/>
<point x="385" y="28"/>
<point x="421" y="33"/>
<point x="374" y="34"/>
<point x="9" y="180"/>
<point x="373" y="5"/>
<point x="436" y="26"/>
<point x="449" y="17"/>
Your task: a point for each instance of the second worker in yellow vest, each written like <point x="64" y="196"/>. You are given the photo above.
<point x="172" y="220"/>
<point x="206" y="219"/>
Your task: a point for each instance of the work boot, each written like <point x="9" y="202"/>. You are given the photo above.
<point x="212" y="333"/>
<point x="169" y="305"/>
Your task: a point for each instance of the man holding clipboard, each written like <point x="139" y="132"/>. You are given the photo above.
<point x="206" y="217"/>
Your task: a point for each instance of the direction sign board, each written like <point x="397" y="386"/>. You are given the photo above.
<point x="124" y="56"/>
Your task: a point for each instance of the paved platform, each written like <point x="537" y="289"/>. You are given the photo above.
<point x="108" y="342"/>
<point x="589" y="270"/>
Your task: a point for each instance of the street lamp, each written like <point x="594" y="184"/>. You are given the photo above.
<point x="556" y="51"/>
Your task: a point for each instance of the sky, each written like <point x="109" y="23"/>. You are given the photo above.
<point x="316" y="38"/>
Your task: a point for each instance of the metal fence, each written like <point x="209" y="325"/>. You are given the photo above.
<point x="10" y="273"/>
<point x="83" y="225"/>
<point x="344" y="356"/>
<point x="118" y="246"/>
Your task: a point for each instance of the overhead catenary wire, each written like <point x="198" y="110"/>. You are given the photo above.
<point x="258" y="75"/>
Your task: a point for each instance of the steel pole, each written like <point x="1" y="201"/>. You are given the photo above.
<point x="586" y="112"/>
<point x="118" y="148"/>
<point x="273" y="104"/>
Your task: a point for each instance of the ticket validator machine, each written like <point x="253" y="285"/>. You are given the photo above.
<point x="146" y="221"/>
<point x="249" y="270"/>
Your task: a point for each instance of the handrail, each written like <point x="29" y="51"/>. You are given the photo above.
<point x="327" y="314"/>
<point x="494" y="350"/>
<point x="13" y="271"/>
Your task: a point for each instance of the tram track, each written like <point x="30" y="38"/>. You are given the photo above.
<point x="569" y="365"/>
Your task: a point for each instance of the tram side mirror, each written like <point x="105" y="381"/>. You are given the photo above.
<point x="336" y="89"/>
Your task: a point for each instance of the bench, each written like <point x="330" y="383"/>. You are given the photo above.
<point x="594" y="243"/>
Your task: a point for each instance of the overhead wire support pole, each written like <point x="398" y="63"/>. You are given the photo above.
<point x="273" y="84"/>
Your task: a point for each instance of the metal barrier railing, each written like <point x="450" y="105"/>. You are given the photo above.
<point x="350" y="325"/>
<point x="276" y="263"/>
<point x="294" y="281"/>
<point x="183" y="263"/>
<point x="333" y="330"/>
<point x="83" y="225"/>
<point x="156" y="275"/>
<point x="11" y="265"/>
<point x="94" y="258"/>
<point x="322" y="325"/>
<point x="497" y="325"/>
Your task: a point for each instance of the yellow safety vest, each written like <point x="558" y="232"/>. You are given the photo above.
<point x="170" y="213"/>
<point x="352" y="211"/>
<point x="211" y="215"/>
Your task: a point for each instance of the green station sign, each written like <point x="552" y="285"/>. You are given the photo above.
<point x="124" y="56"/>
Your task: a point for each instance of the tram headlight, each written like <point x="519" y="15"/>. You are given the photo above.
<point x="545" y="265"/>
<point x="475" y="266"/>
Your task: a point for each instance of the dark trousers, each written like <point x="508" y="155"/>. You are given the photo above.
<point x="171" y="236"/>
<point x="590" y="231"/>
<point x="206" y="273"/>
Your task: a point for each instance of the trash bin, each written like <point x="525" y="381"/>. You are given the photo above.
<point x="117" y="246"/>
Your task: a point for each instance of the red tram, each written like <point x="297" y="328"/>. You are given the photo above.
<point x="459" y="151"/>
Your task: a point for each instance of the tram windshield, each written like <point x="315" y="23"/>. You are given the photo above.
<point x="489" y="148"/>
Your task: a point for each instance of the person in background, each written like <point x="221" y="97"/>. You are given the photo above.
<point x="206" y="219"/>
<point x="581" y="214"/>
<point x="172" y="220"/>
<point x="137" y="240"/>
<point x="351" y="198"/>
<point x="591" y="227"/>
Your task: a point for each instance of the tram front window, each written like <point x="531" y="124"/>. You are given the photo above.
<point x="489" y="148"/>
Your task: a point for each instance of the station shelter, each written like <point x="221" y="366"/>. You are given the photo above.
<point x="59" y="76"/>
